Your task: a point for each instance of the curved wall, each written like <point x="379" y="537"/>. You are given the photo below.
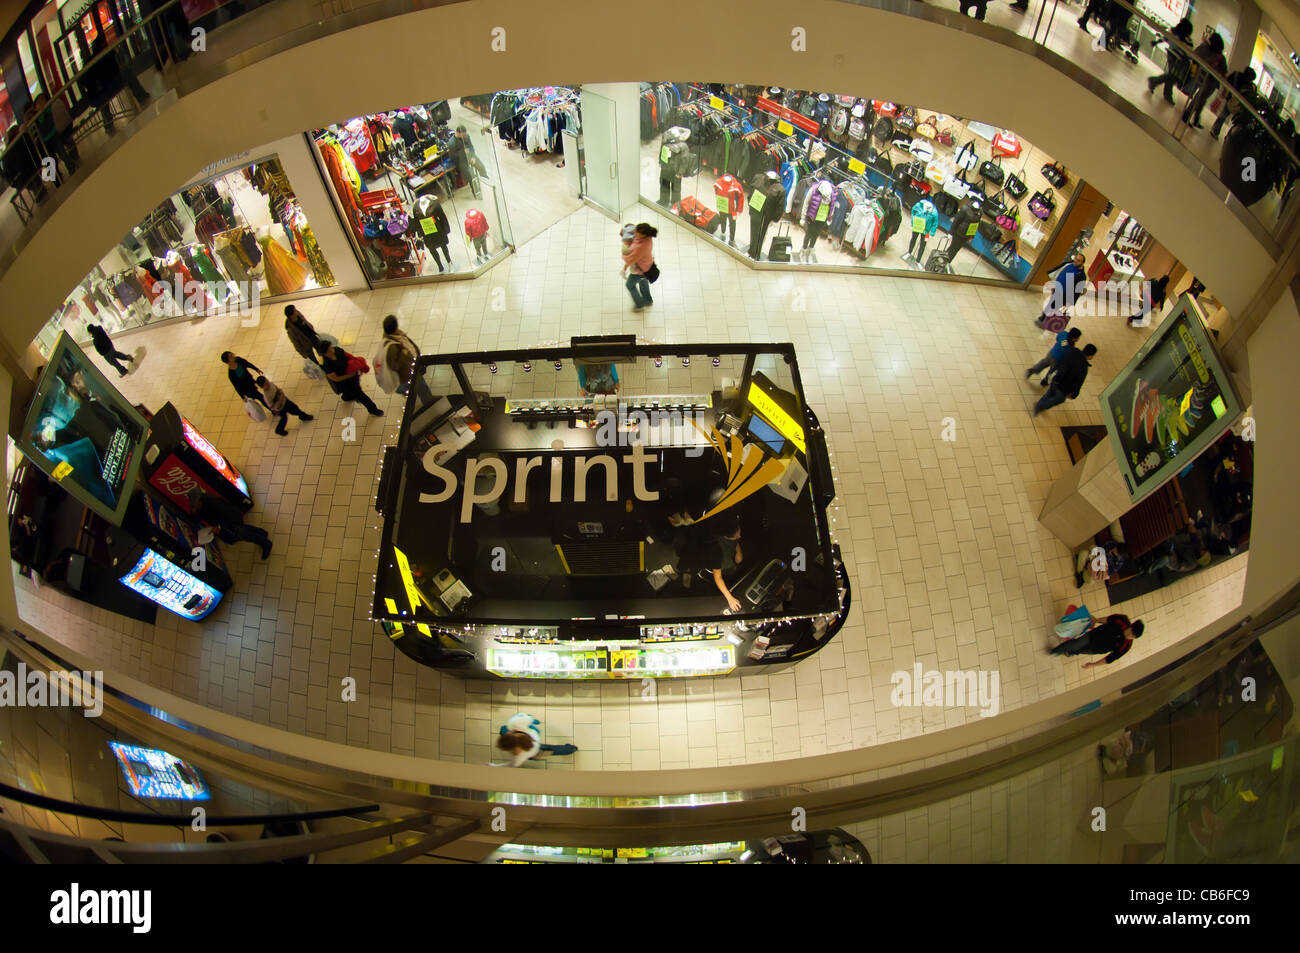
<point x="447" y="51"/>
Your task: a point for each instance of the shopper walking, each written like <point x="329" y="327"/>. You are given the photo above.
<point x="1243" y="81"/>
<point x="1153" y="299"/>
<point x="1176" y="61"/>
<point x="239" y="369"/>
<point x="227" y="520"/>
<point x="1067" y="287"/>
<point x="1065" y="340"/>
<point x="1210" y="53"/>
<point x="104" y="345"/>
<point x="302" y="335"/>
<point x="1112" y="638"/>
<point x="343" y="378"/>
<point x="280" y="405"/>
<point x="639" y="266"/>
<point x="521" y="738"/>
<point x="1071" y="372"/>
<point x="400" y="354"/>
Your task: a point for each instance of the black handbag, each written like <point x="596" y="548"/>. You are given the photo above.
<point x="880" y="162"/>
<point x="1054" y="172"/>
<point x="916" y="170"/>
<point x="993" y="206"/>
<point x="946" y="204"/>
<point x="651" y="274"/>
<point x="975" y="193"/>
<point x="989" y="232"/>
<point x="992" y="171"/>
<point x="884" y="129"/>
<point x="1016" y="187"/>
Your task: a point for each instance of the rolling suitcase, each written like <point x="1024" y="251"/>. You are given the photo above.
<point x="781" y="244"/>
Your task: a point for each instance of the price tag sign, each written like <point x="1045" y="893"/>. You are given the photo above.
<point x="724" y="204"/>
<point x="429" y="225"/>
<point x="663" y="154"/>
<point x="971" y="229"/>
<point x="757" y="200"/>
<point x="62" y="469"/>
<point x="823" y="210"/>
<point x="857" y="166"/>
<point x="717" y="103"/>
<point x="785" y="128"/>
<point x="430" y="152"/>
<point x="918" y="223"/>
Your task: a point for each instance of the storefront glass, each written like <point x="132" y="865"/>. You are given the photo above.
<point x="1278" y="76"/>
<point x="420" y="194"/>
<point x="842" y="180"/>
<point x="219" y="245"/>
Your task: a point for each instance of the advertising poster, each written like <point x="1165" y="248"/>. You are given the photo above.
<point x="83" y="433"/>
<point x="150" y="772"/>
<point x="1171" y="402"/>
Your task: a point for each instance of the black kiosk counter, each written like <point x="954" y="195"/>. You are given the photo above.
<point x="609" y="510"/>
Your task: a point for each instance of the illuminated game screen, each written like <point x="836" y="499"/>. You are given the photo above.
<point x="162" y="581"/>
<point x="151" y="772"/>
<point x="83" y="433"/>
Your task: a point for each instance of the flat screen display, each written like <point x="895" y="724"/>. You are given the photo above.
<point x="162" y="581"/>
<point x="765" y="434"/>
<point x="1171" y="402"/>
<point x="151" y="772"/>
<point x="83" y="433"/>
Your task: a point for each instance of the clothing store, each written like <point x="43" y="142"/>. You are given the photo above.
<point x="223" y="242"/>
<point x="800" y="177"/>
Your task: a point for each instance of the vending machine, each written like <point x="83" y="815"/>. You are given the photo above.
<point x="157" y="554"/>
<point x="178" y="458"/>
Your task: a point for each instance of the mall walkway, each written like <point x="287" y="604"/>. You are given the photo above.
<point x="949" y="565"/>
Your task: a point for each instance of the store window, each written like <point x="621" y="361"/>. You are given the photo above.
<point x="420" y="192"/>
<point x="220" y="245"/>
<point x="801" y="177"/>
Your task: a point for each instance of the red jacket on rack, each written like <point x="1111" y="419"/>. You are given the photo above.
<point x="730" y="187"/>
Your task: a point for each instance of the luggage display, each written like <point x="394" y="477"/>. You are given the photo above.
<point x="697" y="213"/>
<point x="781" y="244"/>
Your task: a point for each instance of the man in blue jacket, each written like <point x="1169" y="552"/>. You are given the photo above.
<point x="1064" y="341"/>
<point x="1066" y="288"/>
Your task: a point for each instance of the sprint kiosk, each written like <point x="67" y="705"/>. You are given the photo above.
<point x="606" y="510"/>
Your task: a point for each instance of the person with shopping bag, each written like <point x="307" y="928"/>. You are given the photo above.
<point x="1112" y="638"/>
<point x="343" y="371"/>
<point x="245" y="383"/>
<point x="1076" y="621"/>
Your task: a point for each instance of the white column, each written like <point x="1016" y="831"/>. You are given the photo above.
<point x="627" y="112"/>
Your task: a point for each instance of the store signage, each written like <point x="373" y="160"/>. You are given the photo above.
<point x="776" y="415"/>
<point x="789" y="115"/>
<point x="413" y="594"/>
<point x="857" y="166"/>
<point x="1266" y="83"/>
<point x="784" y="128"/>
<point x="429" y="225"/>
<point x="430" y="152"/>
<point x="717" y="103"/>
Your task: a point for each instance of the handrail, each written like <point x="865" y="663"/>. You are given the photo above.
<point x="91" y="812"/>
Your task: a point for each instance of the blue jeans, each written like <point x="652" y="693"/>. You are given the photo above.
<point x="559" y="749"/>
<point x="1053" y="397"/>
<point x="639" y="288"/>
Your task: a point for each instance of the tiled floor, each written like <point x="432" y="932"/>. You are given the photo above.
<point x="949" y="565"/>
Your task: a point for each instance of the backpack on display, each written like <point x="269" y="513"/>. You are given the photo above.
<point x="840" y="122"/>
<point x="809" y="105"/>
<point x="884" y="129"/>
<point x="857" y="128"/>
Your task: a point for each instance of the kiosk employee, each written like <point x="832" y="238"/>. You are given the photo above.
<point x="722" y="554"/>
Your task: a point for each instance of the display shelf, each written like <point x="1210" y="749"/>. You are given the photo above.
<point x="617" y="660"/>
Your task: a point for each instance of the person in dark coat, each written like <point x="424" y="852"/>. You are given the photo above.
<point x="468" y="165"/>
<point x="104" y="345"/>
<point x="238" y="370"/>
<point x="302" y="335"/>
<point x="1113" y="638"/>
<point x="1071" y="372"/>
<point x="346" y="383"/>
<point x="227" y="520"/>
<point x="1176" y="61"/>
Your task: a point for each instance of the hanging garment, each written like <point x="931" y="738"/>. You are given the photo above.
<point x="284" y="274"/>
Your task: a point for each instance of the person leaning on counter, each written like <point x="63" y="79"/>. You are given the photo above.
<point x="722" y="553"/>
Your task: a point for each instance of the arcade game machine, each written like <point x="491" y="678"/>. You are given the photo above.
<point x="178" y="458"/>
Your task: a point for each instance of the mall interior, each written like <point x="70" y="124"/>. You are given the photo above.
<point x="847" y="522"/>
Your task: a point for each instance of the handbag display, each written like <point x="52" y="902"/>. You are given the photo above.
<point x="916" y="170"/>
<point x="927" y="129"/>
<point x="1016" y="186"/>
<point x="1006" y="254"/>
<point x="993" y="206"/>
<point x="955" y="185"/>
<point x="989" y="232"/>
<point x="1006" y="144"/>
<point x="1054" y="172"/>
<point x="936" y="172"/>
<point x="880" y="162"/>
<point x="981" y="129"/>
<point x="921" y="149"/>
<point x="883" y="108"/>
<point x="1042" y="204"/>
<point x="883" y="131"/>
<point x="966" y="158"/>
<point x="944" y="137"/>
<point x="1031" y="234"/>
<point x="906" y="118"/>
<point x="992" y="170"/>
<point x="1010" y="220"/>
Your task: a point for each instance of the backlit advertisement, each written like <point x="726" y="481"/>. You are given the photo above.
<point x="162" y="581"/>
<point x="83" y="433"/>
<point x="150" y="772"/>
<point x="213" y="456"/>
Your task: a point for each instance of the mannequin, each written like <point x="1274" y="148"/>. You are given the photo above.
<point x="675" y="160"/>
<point x="766" y="204"/>
<point x="430" y="224"/>
<point x="925" y="222"/>
<point x="964" y="225"/>
<point x="731" y="202"/>
<point x="815" y="218"/>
